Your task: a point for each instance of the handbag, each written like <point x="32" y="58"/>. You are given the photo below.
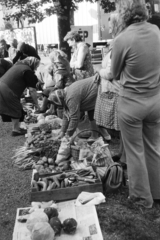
<point x="113" y="178"/>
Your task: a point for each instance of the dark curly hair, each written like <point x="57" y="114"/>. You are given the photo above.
<point x="132" y="11"/>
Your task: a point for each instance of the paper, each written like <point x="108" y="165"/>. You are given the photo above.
<point x="86" y="216"/>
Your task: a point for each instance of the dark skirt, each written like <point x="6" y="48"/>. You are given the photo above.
<point x="9" y="103"/>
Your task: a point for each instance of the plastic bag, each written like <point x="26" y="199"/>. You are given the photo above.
<point x="87" y="198"/>
<point x="64" y="151"/>
<point x="102" y="156"/>
<point x="42" y="231"/>
<point x="37" y="216"/>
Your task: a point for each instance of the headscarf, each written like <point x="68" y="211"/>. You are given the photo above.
<point x="57" y="97"/>
<point x="32" y="62"/>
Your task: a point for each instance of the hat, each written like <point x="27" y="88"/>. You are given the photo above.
<point x="71" y="34"/>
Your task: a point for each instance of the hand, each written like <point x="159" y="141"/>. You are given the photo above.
<point x="116" y="86"/>
<point x="37" y="107"/>
<point x="60" y="136"/>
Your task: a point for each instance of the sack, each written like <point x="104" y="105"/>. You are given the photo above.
<point x="102" y="156"/>
<point x="113" y="178"/>
<point x="64" y="151"/>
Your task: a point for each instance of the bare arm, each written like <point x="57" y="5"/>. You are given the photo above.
<point x="118" y="57"/>
<point x="33" y="94"/>
<point x="105" y="73"/>
<point x="83" y="50"/>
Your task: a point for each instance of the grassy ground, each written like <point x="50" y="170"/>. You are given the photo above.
<point x="118" y="219"/>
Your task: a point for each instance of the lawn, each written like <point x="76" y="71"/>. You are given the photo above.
<point x="119" y="220"/>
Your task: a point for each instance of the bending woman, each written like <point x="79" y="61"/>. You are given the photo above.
<point x="79" y="96"/>
<point x="12" y="84"/>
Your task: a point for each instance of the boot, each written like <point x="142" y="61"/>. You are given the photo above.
<point x="105" y="133"/>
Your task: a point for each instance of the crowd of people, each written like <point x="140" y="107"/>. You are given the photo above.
<point x="123" y="95"/>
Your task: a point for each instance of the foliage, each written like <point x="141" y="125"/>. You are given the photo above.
<point x="35" y="12"/>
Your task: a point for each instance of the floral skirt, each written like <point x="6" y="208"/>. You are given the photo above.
<point x="106" y="114"/>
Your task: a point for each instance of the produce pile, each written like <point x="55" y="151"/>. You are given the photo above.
<point x="30" y="118"/>
<point x="39" y="144"/>
<point x="46" y="224"/>
<point x="63" y="180"/>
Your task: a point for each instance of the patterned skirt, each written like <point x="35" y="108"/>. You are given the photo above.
<point x="106" y="114"/>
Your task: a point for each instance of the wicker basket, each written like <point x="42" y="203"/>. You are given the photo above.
<point x="76" y="149"/>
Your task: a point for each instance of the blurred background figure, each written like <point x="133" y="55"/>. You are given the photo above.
<point x="25" y="50"/>
<point x="12" y="51"/>
<point x="3" y="49"/>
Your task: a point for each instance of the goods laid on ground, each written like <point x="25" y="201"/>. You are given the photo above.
<point x="63" y="180"/>
<point x="39" y="144"/>
<point x="60" y="186"/>
<point x="65" y="222"/>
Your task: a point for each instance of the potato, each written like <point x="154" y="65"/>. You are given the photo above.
<point x="44" y="159"/>
<point x="40" y="162"/>
<point x="46" y="165"/>
<point x="50" y="161"/>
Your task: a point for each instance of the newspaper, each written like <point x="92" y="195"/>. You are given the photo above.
<point x="86" y="216"/>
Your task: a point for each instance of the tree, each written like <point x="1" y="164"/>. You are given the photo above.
<point x="34" y="11"/>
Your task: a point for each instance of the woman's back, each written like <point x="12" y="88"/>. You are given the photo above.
<point x="138" y="58"/>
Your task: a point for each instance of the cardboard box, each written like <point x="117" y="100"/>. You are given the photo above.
<point x="63" y="194"/>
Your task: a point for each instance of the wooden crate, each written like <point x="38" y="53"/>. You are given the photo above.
<point x="63" y="194"/>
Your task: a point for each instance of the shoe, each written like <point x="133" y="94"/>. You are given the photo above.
<point x="139" y="202"/>
<point x="39" y="111"/>
<point x="23" y="130"/>
<point x="107" y="138"/>
<point x="15" y="134"/>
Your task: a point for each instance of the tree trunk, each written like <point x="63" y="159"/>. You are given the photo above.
<point x="64" y="26"/>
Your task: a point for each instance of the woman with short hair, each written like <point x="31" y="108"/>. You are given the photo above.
<point x="136" y="62"/>
<point x="106" y="113"/>
<point x="81" y="58"/>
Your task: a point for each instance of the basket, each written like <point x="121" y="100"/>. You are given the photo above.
<point x="76" y="149"/>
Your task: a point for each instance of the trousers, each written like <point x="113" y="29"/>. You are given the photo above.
<point x="139" y="120"/>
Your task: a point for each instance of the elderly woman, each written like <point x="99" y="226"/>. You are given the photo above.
<point x="12" y="84"/>
<point x="79" y="96"/>
<point x="59" y="74"/>
<point x="25" y="50"/>
<point x="106" y="114"/>
<point x="81" y="59"/>
<point x="136" y="62"/>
